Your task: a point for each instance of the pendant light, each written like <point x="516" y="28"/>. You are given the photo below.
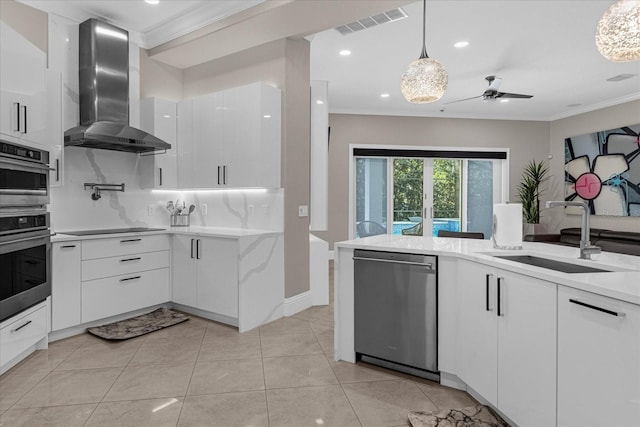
<point x="618" y="32"/>
<point x="425" y="79"/>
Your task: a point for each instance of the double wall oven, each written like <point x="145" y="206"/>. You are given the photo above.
<point x="25" y="234"/>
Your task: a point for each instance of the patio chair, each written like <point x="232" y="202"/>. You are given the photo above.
<point x="369" y="228"/>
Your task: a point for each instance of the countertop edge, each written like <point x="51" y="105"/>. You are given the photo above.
<point x="221" y="232"/>
<point x="610" y="284"/>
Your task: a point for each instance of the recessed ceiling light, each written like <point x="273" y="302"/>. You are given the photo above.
<point x="504" y="100"/>
<point x="319" y="102"/>
<point x="461" y="44"/>
<point x="267" y="116"/>
<point x="152" y="1"/>
<point x="345" y="52"/>
<point x="384" y="95"/>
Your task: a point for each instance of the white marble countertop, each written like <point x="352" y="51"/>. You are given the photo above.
<point x="232" y="233"/>
<point x="623" y="283"/>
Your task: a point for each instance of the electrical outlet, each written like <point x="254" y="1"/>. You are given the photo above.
<point x="150" y="210"/>
<point x="303" y="211"/>
<point x="203" y="208"/>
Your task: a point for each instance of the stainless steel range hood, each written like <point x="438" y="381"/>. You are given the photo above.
<point x="104" y="93"/>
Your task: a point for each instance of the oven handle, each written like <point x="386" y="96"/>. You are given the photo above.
<point x="29" y="238"/>
<point x="26" y="164"/>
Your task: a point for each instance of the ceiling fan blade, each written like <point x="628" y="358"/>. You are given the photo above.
<point x="460" y="100"/>
<point x="512" y="95"/>
<point x="494" y="83"/>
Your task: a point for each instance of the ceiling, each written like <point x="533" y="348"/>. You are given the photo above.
<point x="542" y="48"/>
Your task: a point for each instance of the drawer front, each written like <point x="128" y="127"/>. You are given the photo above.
<point x="115" y="266"/>
<point x="103" y="248"/>
<point x="21" y="334"/>
<point x="119" y="294"/>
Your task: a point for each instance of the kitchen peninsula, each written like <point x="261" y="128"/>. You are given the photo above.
<point x="541" y="346"/>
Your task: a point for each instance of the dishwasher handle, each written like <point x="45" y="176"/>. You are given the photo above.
<point x="391" y="261"/>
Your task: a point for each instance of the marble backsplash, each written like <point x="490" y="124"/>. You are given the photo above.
<point x="72" y="207"/>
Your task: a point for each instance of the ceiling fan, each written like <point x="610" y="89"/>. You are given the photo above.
<point x="492" y="93"/>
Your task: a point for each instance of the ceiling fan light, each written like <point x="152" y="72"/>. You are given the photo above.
<point x="424" y="80"/>
<point x="618" y="32"/>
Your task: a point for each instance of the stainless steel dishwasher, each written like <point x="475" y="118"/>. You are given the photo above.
<point x="396" y="311"/>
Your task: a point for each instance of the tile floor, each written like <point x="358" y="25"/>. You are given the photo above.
<point x="202" y="373"/>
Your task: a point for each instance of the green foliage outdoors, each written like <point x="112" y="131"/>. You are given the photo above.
<point x="408" y="191"/>
<point x="534" y="175"/>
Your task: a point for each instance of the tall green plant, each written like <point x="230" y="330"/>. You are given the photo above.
<point x="529" y="191"/>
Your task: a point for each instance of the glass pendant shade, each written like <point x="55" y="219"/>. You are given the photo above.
<point x="424" y="80"/>
<point x="618" y="32"/>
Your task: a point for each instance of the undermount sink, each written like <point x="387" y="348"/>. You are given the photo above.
<point x="110" y="231"/>
<point x="551" y="264"/>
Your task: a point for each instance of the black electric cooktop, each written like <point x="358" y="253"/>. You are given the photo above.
<point x="110" y="231"/>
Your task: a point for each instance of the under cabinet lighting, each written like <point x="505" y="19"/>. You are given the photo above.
<point x="214" y="190"/>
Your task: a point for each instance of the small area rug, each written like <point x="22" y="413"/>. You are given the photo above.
<point x="472" y="416"/>
<point x="139" y="325"/>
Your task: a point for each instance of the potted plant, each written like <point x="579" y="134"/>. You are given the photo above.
<point x="534" y="175"/>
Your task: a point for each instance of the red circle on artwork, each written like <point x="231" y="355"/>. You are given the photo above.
<point x="588" y="186"/>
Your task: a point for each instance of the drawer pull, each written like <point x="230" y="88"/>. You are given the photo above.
<point x="33" y="282"/>
<point x="593" y="307"/>
<point x="130" y="278"/>
<point x="68" y="246"/>
<point x="130" y="240"/>
<point x="24" y="325"/>
<point x="130" y="259"/>
<point x="32" y="262"/>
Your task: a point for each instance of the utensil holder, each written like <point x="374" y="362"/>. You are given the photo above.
<point x="180" y="220"/>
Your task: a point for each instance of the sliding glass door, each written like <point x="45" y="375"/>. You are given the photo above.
<point x="420" y="196"/>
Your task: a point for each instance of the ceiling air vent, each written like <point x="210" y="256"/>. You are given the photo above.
<point x="372" y="21"/>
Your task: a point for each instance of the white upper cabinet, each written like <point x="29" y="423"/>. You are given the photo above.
<point x="230" y="139"/>
<point x="160" y="170"/>
<point x="23" y="91"/>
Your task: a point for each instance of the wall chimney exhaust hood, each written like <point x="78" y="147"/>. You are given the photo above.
<point x="104" y="94"/>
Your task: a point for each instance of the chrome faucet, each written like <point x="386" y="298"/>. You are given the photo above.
<point x="586" y="248"/>
<point x="102" y="187"/>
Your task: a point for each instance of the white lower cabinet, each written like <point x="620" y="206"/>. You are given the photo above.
<point x="205" y="274"/>
<point x="22" y="331"/>
<point x="507" y="341"/>
<point x="598" y="360"/>
<point x="66" y="284"/>
<point x="119" y="294"/>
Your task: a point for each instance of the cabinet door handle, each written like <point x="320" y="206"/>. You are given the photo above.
<point x="198" y="249"/>
<point x="57" y="170"/>
<point x="130" y="259"/>
<point x="25" y="118"/>
<point x="224" y="175"/>
<point x="32" y="262"/>
<point x="218" y="175"/>
<point x="68" y="246"/>
<point x="499" y="302"/>
<point x="24" y="325"/>
<point x="594" y="307"/>
<point x="487" y="291"/>
<point x="160" y="176"/>
<point x="130" y="278"/>
<point x="17" y="129"/>
<point x="130" y="240"/>
<point x="192" y="247"/>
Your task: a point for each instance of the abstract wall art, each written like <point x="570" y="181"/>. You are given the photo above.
<point x="603" y="169"/>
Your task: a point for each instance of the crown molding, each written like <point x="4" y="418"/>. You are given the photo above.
<point x="596" y="106"/>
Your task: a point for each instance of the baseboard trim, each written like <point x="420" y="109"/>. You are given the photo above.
<point x="297" y="303"/>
